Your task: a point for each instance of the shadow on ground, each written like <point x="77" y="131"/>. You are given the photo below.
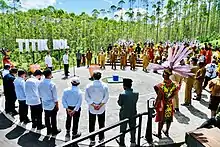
<point x="197" y="112"/>
<point x="204" y="103"/>
<point x="20" y="137"/>
<point x="181" y="118"/>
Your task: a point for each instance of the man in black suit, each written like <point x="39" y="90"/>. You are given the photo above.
<point x="9" y="91"/>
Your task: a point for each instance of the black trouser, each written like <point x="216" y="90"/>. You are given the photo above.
<point x="36" y="115"/>
<point x="66" y="69"/>
<point x="123" y="128"/>
<point x="207" y="79"/>
<point x="101" y="121"/>
<point x="114" y="65"/>
<point x="78" y="61"/>
<point x="9" y="103"/>
<point x="23" y="110"/>
<point x="51" y="119"/>
<point x="75" y="117"/>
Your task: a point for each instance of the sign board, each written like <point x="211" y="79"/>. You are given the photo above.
<point x="40" y="44"/>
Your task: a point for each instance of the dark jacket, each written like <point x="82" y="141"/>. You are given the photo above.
<point x="128" y="102"/>
<point x="8" y="86"/>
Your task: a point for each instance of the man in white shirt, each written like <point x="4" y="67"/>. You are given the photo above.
<point x="72" y="101"/>
<point x="48" y="94"/>
<point x="97" y="96"/>
<point x="66" y="63"/>
<point x="33" y="99"/>
<point x="19" y="83"/>
<point x="210" y="72"/>
<point x="48" y="61"/>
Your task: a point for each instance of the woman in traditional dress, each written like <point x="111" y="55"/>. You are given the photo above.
<point x="166" y="90"/>
<point x="164" y="102"/>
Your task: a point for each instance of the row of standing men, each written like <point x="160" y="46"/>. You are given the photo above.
<point x="40" y="94"/>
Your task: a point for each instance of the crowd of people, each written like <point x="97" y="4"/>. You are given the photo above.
<point x="196" y="66"/>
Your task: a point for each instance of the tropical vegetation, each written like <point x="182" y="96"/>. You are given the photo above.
<point x="174" y="20"/>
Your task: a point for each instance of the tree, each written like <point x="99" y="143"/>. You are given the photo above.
<point x="95" y="13"/>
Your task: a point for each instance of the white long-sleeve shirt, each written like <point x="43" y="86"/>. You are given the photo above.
<point x="20" y="88"/>
<point x="65" y="59"/>
<point x="96" y="93"/>
<point x="48" y="94"/>
<point x="31" y="91"/>
<point x="72" y="97"/>
<point x="48" y="61"/>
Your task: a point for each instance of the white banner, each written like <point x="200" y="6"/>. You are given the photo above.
<point x="41" y="44"/>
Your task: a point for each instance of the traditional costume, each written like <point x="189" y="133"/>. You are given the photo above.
<point x="151" y="54"/>
<point x="177" y="79"/>
<point x="102" y="56"/>
<point x="133" y="58"/>
<point x="113" y="58"/>
<point x="166" y="90"/>
<point x="89" y="57"/>
<point x="123" y="59"/>
<point x="190" y="82"/>
<point x="208" y="56"/>
<point x="200" y="77"/>
<point x="146" y="61"/>
<point x="214" y="86"/>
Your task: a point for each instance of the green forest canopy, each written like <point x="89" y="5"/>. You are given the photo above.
<point x="175" y="21"/>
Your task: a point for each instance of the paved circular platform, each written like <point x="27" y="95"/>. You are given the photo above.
<point x="143" y="82"/>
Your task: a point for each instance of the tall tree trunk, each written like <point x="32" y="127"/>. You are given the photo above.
<point x="207" y="23"/>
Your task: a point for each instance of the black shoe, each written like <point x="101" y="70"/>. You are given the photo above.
<point x="197" y="98"/>
<point x="177" y="109"/>
<point x="157" y="135"/>
<point x="76" y="135"/>
<point x="41" y="127"/>
<point x="101" y="140"/>
<point x="34" y="126"/>
<point x="185" y="104"/>
<point x="49" y="132"/>
<point x="56" y="132"/>
<point x="92" y="143"/>
<point x="14" y="113"/>
<point x="27" y="121"/>
<point x="120" y="144"/>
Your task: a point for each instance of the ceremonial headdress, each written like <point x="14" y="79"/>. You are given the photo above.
<point x="173" y="62"/>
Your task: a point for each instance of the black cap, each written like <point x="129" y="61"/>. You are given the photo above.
<point x="97" y="75"/>
<point x="47" y="72"/>
<point x="13" y="70"/>
<point x="194" y="59"/>
<point x="127" y="82"/>
<point x="21" y="72"/>
<point x="7" y="66"/>
<point x="37" y="73"/>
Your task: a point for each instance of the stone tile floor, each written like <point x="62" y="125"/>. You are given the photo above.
<point x="188" y="119"/>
